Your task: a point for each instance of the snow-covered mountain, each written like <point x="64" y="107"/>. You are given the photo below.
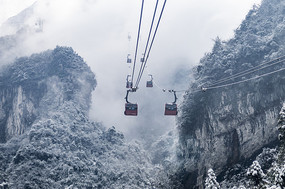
<point x="34" y="85"/>
<point x="17" y="34"/>
<point x="47" y="139"/>
<point x="228" y="124"/>
<point x="25" y="20"/>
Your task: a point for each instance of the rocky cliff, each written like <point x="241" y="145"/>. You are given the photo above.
<point x="34" y="85"/>
<point x="227" y="124"/>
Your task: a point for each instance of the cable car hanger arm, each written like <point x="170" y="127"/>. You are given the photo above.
<point x="175" y="97"/>
<point x="127" y="96"/>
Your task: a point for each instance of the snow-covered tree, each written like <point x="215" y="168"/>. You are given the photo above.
<point x="211" y="182"/>
<point x="281" y="129"/>
<point x="241" y="187"/>
<point x="279" y="167"/>
<point x="279" y="175"/>
<point x="4" y="185"/>
<point x="274" y="187"/>
<point x="256" y="174"/>
<point x="266" y="158"/>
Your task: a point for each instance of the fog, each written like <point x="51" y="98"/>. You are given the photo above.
<point x="98" y="31"/>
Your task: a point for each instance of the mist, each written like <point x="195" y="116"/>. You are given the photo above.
<point x="98" y="31"/>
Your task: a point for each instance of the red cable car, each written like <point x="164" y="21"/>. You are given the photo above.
<point x="129" y="60"/>
<point x="129" y="84"/>
<point x="142" y="58"/>
<point x="171" y="108"/>
<point x="131" y="109"/>
<point x="150" y="82"/>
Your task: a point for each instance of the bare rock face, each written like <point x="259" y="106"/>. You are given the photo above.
<point x="32" y="86"/>
<point x="17" y="112"/>
<point x="230" y="122"/>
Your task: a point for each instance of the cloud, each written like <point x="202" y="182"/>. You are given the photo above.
<point x="98" y="31"/>
<point x="10" y="8"/>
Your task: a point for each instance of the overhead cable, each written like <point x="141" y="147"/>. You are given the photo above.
<point x="138" y="37"/>
<point x="147" y="43"/>
<point x="139" y="77"/>
<point x="251" y="70"/>
<point x="229" y="84"/>
<point x="256" y="77"/>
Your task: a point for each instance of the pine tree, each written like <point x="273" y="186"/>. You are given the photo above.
<point x="256" y="174"/>
<point x="279" y="168"/>
<point x="281" y="129"/>
<point x="211" y="182"/>
<point x="279" y="175"/>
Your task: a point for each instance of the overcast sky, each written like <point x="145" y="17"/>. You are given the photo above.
<point x="98" y="31"/>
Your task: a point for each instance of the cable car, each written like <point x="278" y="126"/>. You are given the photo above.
<point x="171" y="108"/>
<point x="131" y="109"/>
<point x="150" y="82"/>
<point x="129" y="60"/>
<point x="129" y="84"/>
<point x="142" y="58"/>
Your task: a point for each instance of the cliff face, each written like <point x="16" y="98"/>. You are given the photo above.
<point x="225" y="125"/>
<point x="32" y="86"/>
